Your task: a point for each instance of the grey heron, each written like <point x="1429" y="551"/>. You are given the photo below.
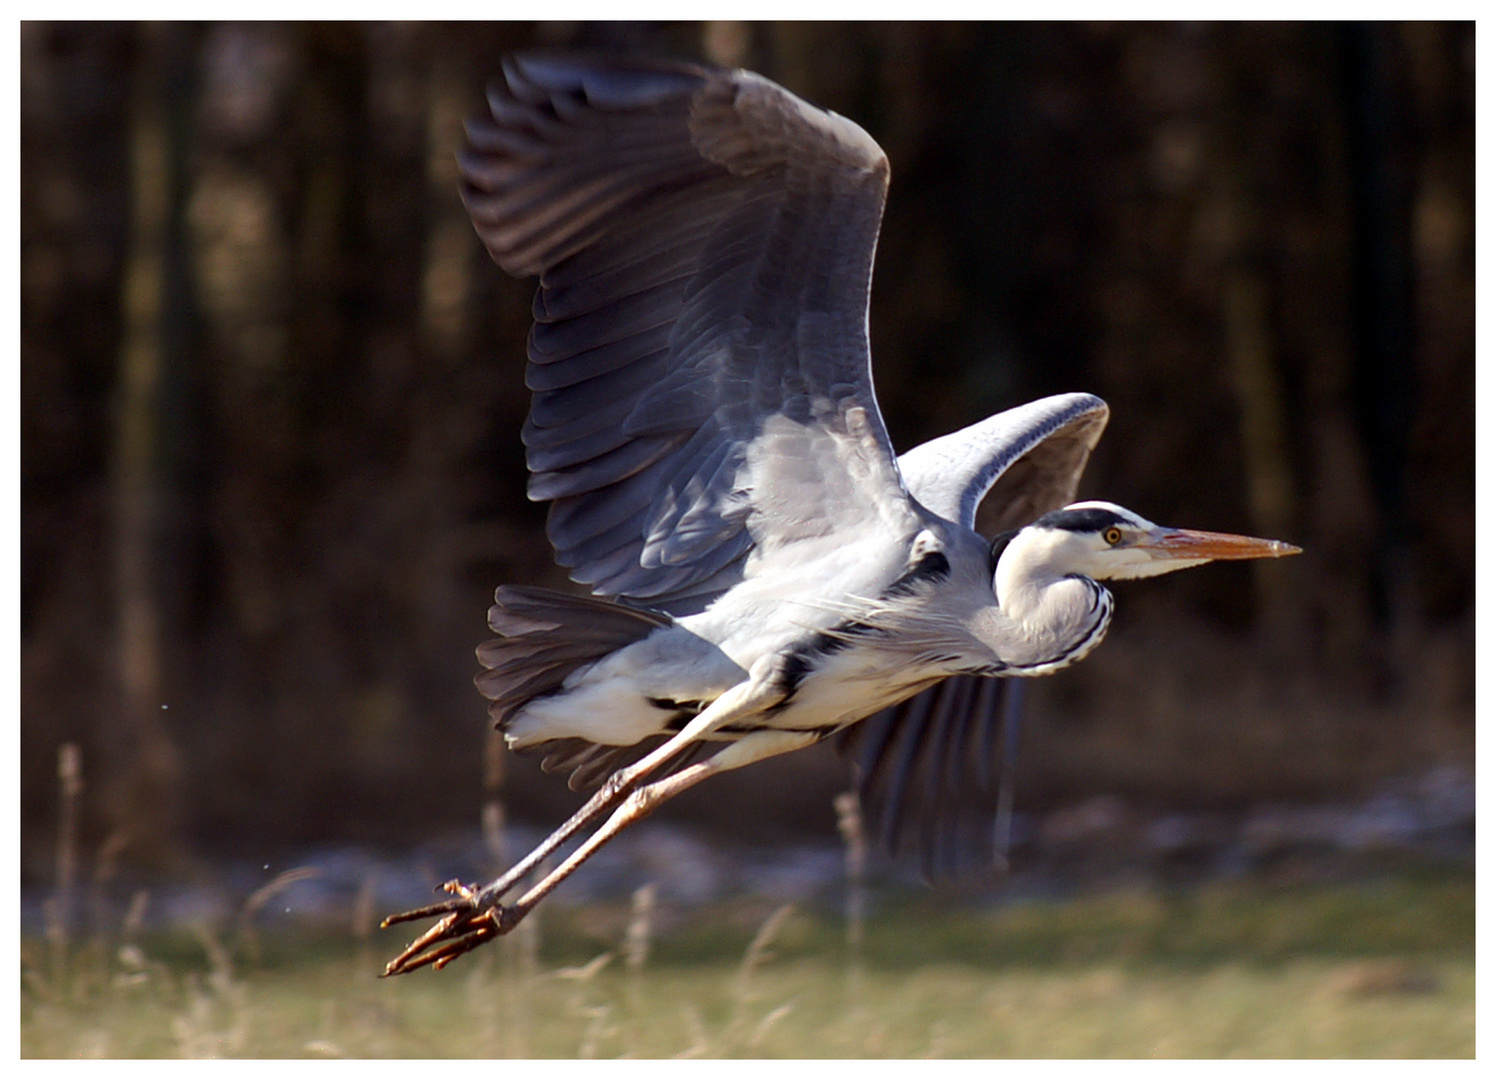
<point x="767" y="571"/>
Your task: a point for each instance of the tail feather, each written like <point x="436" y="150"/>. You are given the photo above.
<point x="506" y="656"/>
<point x="591" y="763"/>
<point x="544" y="636"/>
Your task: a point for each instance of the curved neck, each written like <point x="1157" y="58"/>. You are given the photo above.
<point x="1052" y="618"/>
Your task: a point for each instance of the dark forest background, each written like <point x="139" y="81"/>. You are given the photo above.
<point x="272" y="391"/>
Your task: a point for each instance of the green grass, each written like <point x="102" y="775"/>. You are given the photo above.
<point x="1381" y="968"/>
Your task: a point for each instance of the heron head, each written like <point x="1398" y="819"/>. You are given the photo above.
<point x="1104" y="541"/>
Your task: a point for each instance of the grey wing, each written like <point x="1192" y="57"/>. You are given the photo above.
<point x="1033" y="455"/>
<point x="930" y="772"/>
<point x="704" y="242"/>
<point x="928" y="768"/>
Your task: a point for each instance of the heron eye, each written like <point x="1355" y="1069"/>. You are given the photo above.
<point x="1112" y="535"/>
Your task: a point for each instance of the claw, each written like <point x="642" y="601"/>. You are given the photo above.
<point x="466" y="897"/>
<point x="468" y="921"/>
<point x="440" y="958"/>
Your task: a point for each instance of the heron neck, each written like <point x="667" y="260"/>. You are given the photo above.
<point x="1052" y="618"/>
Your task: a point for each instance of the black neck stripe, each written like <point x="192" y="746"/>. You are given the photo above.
<point x="999" y="543"/>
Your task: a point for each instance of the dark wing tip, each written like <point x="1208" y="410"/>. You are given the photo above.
<point x="608" y="79"/>
<point x="928" y="772"/>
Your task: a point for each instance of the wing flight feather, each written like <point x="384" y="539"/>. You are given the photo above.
<point x="704" y="243"/>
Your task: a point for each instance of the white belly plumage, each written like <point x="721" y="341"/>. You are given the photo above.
<point x="653" y="686"/>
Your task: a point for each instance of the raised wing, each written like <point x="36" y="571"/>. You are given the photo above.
<point x="704" y="242"/>
<point x="928" y="769"/>
<point x="1038" y="451"/>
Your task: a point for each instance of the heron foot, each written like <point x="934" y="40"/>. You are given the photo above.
<point x="468" y="920"/>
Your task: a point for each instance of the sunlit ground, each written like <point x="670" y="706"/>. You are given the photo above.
<point x="1373" y="968"/>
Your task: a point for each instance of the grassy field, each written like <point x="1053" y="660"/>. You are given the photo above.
<point x="1376" y="968"/>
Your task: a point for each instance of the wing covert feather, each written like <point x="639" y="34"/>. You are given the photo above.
<point x="704" y="243"/>
<point x="1044" y="446"/>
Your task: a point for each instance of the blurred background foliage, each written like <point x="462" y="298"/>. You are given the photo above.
<point x="272" y="391"/>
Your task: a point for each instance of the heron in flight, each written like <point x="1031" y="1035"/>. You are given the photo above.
<point x="766" y="571"/>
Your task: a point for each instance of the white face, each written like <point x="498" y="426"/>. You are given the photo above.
<point x="1129" y="547"/>
<point x="1106" y="542"/>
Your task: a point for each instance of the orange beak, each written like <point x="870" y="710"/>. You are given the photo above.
<point x="1192" y="544"/>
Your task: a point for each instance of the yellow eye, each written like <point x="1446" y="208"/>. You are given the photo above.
<point x="1112" y="535"/>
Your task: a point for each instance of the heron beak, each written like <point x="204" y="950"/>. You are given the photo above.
<point x="1192" y="544"/>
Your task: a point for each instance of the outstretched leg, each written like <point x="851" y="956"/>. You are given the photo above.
<point x="476" y="913"/>
<point x="755" y="747"/>
<point x="452" y="937"/>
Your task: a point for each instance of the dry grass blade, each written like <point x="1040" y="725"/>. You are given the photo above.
<point x="58" y="910"/>
<point x="636" y="939"/>
<point x="585" y="972"/>
<point x="759" y="949"/>
<point x="248" y="940"/>
<point x="275" y="886"/>
<point x="758" y="954"/>
<point x="770" y="1019"/>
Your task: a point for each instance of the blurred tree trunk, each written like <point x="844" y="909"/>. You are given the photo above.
<point x="143" y="777"/>
<point x="1250" y="345"/>
<point x="1384" y="382"/>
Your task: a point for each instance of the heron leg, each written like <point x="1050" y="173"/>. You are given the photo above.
<point x="474" y="916"/>
<point x="753" y="747"/>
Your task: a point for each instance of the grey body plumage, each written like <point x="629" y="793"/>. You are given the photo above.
<point x="767" y="572"/>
